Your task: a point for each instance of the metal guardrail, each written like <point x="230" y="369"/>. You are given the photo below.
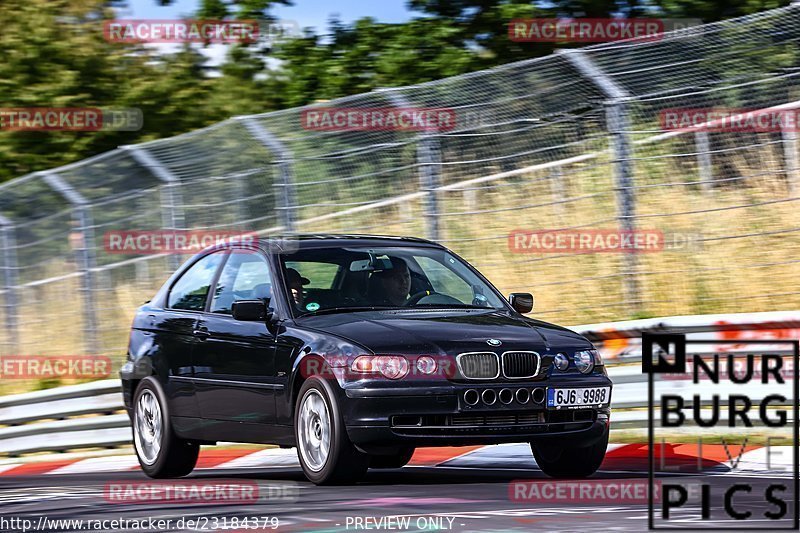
<point x="58" y="419"/>
<point x="88" y="415"/>
<point x="621" y="341"/>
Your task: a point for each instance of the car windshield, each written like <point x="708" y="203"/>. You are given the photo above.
<point x="336" y="279"/>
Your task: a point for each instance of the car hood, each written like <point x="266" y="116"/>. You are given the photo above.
<point x="416" y="332"/>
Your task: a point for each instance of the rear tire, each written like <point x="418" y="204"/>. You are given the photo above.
<point x="559" y="461"/>
<point x="323" y="447"/>
<point x="398" y="460"/>
<point x="161" y="453"/>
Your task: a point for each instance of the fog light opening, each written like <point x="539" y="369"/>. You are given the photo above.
<point x="471" y="397"/>
<point x="506" y="396"/>
<point x="538" y="395"/>
<point x="489" y="397"/>
<point x="406" y="420"/>
<point x="523" y="396"/>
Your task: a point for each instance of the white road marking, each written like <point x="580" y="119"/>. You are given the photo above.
<point x="264" y="458"/>
<point x="98" y="464"/>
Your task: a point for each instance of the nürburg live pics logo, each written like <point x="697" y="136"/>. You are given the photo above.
<point x="723" y="433"/>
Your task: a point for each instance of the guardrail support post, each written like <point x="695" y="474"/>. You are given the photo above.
<point x="618" y="125"/>
<point x="172" y="216"/>
<point x="703" y="148"/>
<point x="287" y="199"/>
<point x="86" y="254"/>
<point x="8" y="248"/>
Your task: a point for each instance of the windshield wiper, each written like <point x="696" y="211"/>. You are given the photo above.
<point x="452" y="306"/>
<point x="345" y="310"/>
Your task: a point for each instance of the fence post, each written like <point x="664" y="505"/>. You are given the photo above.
<point x="619" y="128"/>
<point x="287" y="199"/>
<point x="791" y="164"/>
<point x="240" y="191"/>
<point x="8" y="247"/>
<point x="558" y="190"/>
<point x="703" y="148"/>
<point x="172" y="216"/>
<point x="429" y="159"/>
<point x="86" y="254"/>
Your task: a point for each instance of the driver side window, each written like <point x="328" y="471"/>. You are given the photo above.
<point x="246" y="276"/>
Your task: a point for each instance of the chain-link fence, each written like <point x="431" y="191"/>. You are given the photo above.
<point x="572" y="141"/>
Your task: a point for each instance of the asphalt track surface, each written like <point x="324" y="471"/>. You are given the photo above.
<point x="437" y="498"/>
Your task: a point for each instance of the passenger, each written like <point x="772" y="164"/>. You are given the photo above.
<point x="295" y="282"/>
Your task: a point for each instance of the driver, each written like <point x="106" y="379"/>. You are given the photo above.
<point x="390" y="287"/>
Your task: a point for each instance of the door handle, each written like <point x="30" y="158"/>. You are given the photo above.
<point x="201" y="332"/>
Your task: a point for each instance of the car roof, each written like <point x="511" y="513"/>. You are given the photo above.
<point x="290" y="243"/>
<point x="341" y="240"/>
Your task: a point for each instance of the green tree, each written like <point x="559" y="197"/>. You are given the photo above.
<point x="55" y="55"/>
<point x="368" y="55"/>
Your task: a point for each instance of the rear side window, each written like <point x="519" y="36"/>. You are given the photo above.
<point x="191" y="290"/>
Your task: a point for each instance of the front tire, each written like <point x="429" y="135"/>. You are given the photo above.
<point x="161" y="453"/>
<point x="323" y="447"/>
<point x="559" y="461"/>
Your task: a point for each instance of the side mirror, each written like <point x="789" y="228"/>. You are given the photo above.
<point x="251" y="310"/>
<point x="522" y="302"/>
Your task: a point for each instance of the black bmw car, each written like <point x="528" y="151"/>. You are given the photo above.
<point x="356" y="350"/>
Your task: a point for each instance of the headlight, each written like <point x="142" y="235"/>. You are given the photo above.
<point x="598" y="361"/>
<point x="584" y="361"/>
<point x="389" y="366"/>
<point x="426" y="364"/>
<point x="561" y="361"/>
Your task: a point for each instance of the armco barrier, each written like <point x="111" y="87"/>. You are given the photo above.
<point x="57" y="419"/>
<point x="622" y="340"/>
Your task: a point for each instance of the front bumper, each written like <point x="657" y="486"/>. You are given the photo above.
<point x="438" y="415"/>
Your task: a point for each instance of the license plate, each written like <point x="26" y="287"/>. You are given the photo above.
<point x="574" y="398"/>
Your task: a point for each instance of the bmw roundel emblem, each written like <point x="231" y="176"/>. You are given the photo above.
<point x="494" y="342"/>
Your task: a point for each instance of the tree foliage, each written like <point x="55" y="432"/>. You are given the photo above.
<point x="54" y="55"/>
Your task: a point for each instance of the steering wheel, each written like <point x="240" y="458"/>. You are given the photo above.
<point x="415" y="298"/>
